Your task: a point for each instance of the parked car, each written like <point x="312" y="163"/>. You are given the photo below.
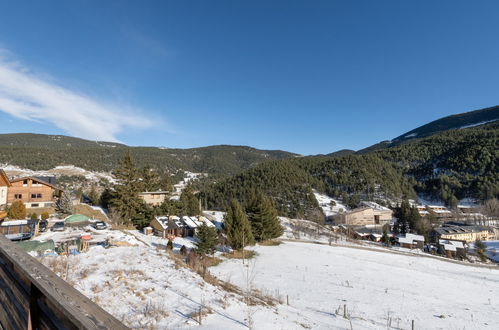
<point x="58" y="226"/>
<point x="100" y="225"/>
<point x="42" y="225"/>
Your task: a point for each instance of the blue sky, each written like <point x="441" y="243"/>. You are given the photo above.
<point x="304" y="76"/>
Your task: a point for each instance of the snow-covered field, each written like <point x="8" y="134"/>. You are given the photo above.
<point x="142" y="286"/>
<point x="377" y="288"/>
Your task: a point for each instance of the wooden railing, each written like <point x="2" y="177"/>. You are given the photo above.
<point x="33" y="297"/>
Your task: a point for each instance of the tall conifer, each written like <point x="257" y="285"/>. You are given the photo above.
<point x="237" y="227"/>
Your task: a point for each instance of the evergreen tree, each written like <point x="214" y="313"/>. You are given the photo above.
<point x="263" y="217"/>
<point x="190" y="203"/>
<point x="125" y="200"/>
<point x="414" y="218"/>
<point x="207" y="239"/>
<point x="166" y="183"/>
<point x="150" y="179"/>
<point x="93" y="195"/>
<point x="237" y="227"/>
<point x="169" y="245"/>
<point x="480" y="250"/>
<point x="402" y="213"/>
<point x="64" y="204"/>
<point x="17" y="211"/>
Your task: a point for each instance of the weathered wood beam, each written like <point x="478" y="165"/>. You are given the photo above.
<point x="72" y="308"/>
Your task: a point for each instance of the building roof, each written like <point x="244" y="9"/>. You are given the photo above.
<point x="167" y="223"/>
<point x="455" y="244"/>
<point x="37" y="180"/>
<point x="154" y="192"/>
<point x="5" y="177"/>
<point x="452" y="230"/>
<point x="76" y="218"/>
<point x="375" y="206"/>
<point x="410" y="238"/>
<point x="189" y="222"/>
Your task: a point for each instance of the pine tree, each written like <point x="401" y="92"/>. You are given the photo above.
<point x="237" y="227"/>
<point x="263" y="217"/>
<point x="125" y="200"/>
<point x="64" y="205"/>
<point x="207" y="239"/>
<point x="190" y="203"/>
<point x="94" y="196"/>
<point x="169" y="245"/>
<point x="166" y="183"/>
<point x="150" y="179"/>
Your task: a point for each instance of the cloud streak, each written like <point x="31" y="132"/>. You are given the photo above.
<point x="28" y="96"/>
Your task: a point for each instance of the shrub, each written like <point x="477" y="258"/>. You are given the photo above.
<point x="45" y="215"/>
<point x="17" y="211"/>
<point x="34" y="216"/>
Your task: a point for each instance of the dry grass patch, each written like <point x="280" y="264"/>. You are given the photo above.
<point x="90" y="212"/>
<point x="240" y="254"/>
<point x="270" y="242"/>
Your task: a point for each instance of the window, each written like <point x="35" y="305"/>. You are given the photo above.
<point x="18" y="196"/>
<point x="25" y="183"/>
<point x="34" y="205"/>
<point x="36" y="195"/>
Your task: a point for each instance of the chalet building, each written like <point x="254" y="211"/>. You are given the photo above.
<point x="4" y="186"/>
<point x="437" y="210"/>
<point x="462" y="233"/>
<point x="411" y="241"/>
<point x="167" y="226"/>
<point x="33" y="192"/>
<point x="173" y="226"/>
<point x="452" y="248"/>
<point x="365" y="216"/>
<point x="154" y="198"/>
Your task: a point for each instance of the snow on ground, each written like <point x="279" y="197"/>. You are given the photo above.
<point x="478" y="124"/>
<point x="325" y="204"/>
<point x="189" y="176"/>
<point x="492" y="250"/>
<point x="70" y="170"/>
<point x="376" y="287"/>
<point x="143" y="287"/>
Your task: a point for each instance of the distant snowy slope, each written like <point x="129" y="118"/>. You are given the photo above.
<point x="462" y="120"/>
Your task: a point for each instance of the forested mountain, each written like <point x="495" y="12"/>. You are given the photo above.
<point x="451" y="165"/>
<point x="43" y="152"/>
<point x="459" y="121"/>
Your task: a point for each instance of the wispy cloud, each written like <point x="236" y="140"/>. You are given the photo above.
<point x="33" y="97"/>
